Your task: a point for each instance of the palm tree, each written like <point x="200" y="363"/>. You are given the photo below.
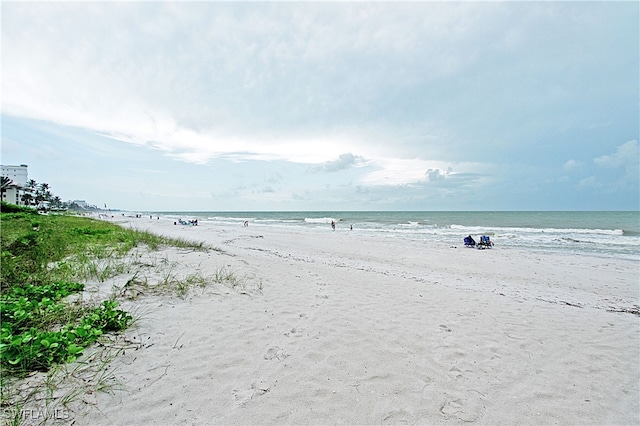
<point x="42" y="194"/>
<point x="31" y="185"/>
<point x="29" y="188"/>
<point x="27" y="199"/>
<point x="56" y="202"/>
<point x="6" y="183"/>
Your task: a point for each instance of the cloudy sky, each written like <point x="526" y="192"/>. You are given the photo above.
<point x="217" y="106"/>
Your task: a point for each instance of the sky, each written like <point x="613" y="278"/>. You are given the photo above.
<point x="249" y="106"/>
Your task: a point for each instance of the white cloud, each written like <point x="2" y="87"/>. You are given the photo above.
<point x="588" y="183"/>
<point x="414" y="171"/>
<point x="201" y="80"/>
<point x="437" y="174"/>
<point x="627" y="156"/>
<point x="396" y="172"/>
<point x="391" y="94"/>
<point x="344" y="161"/>
<point x="572" y="165"/>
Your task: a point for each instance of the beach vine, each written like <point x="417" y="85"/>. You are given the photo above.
<point x="45" y="322"/>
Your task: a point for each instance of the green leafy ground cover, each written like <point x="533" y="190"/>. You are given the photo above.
<point x="46" y="321"/>
<point x="43" y="258"/>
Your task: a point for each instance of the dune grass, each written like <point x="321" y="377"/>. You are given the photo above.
<point x="43" y="260"/>
<point x="46" y="321"/>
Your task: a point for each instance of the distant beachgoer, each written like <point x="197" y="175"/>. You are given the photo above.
<point x="351" y="227"/>
<point x="245" y="223"/>
<point x="333" y="225"/>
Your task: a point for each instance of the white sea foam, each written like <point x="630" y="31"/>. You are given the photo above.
<point x="319" y="220"/>
<point x="606" y="233"/>
<point x="516" y="230"/>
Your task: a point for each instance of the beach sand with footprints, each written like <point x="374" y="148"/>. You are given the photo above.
<point x="341" y="328"/>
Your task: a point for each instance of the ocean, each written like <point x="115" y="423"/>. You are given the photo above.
<point x="600" y="233"/>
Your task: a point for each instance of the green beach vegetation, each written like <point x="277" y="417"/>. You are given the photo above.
<point x="44" y="259"/>
<point x="47" y="319"/>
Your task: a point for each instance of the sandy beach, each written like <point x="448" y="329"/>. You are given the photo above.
<point x="340" y="328"/>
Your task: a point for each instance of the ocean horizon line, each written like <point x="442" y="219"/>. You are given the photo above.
<point x="379" y="211"/>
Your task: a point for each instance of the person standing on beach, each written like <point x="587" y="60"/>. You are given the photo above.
<point x="333" y="225"/>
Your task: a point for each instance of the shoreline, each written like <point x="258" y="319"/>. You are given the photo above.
<point x="344" y="328"/>
<point x="570" y="232"/>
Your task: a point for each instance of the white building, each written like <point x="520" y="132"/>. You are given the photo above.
<point x="19" y="178"/>
<point x="18" y="174"/>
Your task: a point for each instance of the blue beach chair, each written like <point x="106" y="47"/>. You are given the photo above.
<point x="469" y="241"/>
<point x="485" y="242"/>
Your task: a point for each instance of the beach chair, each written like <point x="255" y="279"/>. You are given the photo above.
<point x="485" y="242"/>
<point x="469" y="241"/>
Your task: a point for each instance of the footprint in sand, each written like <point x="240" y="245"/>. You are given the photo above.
<point x="455" y="373"/>
<point x="275" y="352"/>
<point x="242" y="396"/>
<point x="294" y="332"/>
<point x="400" y="417"/>
<point x="467" y="406"/>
